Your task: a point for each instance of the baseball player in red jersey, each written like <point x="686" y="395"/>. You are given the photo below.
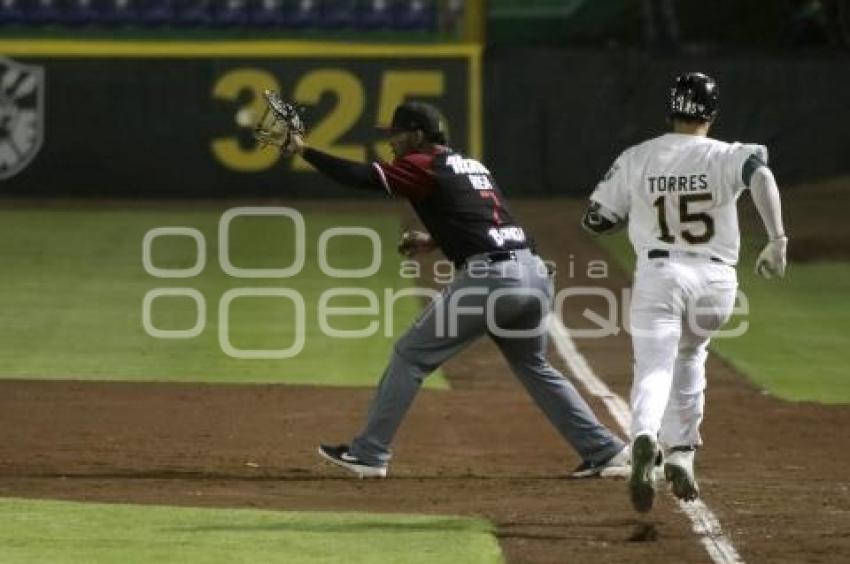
<point x="501" y="288"/>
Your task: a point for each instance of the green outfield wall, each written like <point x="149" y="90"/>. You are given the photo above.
<point x="175" y="118"/>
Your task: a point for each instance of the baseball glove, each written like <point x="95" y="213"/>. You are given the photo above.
<point x="279" y="123"/>
<point x="413" y="242"/>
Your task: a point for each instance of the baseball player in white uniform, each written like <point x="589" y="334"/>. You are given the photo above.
<point x="678" y="194"/>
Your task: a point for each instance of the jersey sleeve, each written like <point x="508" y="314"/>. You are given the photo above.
<point x="612" y="192"/>
<point x="743" y="160"/>
<point x="410" y="176"/>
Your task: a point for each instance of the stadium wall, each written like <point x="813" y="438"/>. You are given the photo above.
<point x="555" y="120"/>
<point x="125" y="119"/>
<point x="115" y="119"/>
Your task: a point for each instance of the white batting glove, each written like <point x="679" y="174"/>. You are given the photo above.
<point x="772" y="259"/>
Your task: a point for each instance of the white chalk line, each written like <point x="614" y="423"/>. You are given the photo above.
<point x="703" y="521"/>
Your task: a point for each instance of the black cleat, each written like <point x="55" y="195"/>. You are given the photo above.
<point x="642" y="479"/>
<point x="341" y="456"/>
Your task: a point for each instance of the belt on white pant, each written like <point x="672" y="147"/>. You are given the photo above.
<point x="664" y="253"/>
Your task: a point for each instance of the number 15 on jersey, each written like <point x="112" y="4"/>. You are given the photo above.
<point x="686" y="216"/>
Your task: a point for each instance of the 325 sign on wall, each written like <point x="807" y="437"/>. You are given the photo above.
<point x="343" y="98"/>
<point x="175" y="119"/>
<point x="332" y="130"/>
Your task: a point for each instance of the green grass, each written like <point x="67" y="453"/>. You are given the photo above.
<point x="797" y="341"/>
<point x="66" y="533"/>
<point x="74" y="283"/>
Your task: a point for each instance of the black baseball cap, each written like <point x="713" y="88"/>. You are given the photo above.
<point x="411" y="116"/>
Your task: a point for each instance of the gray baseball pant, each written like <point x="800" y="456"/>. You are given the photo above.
<point x="519" y="292"/>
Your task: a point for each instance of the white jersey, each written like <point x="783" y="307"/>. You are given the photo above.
<point x="679" y="192"/>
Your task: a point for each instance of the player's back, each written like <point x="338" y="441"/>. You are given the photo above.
<point x="458" y="201"/>
<point x="681" y="191"/>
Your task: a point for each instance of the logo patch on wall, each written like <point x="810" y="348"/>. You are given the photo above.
<point x="21" y="115"/>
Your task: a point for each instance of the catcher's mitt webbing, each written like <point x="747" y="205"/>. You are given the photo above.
<point x="279" y="122"/>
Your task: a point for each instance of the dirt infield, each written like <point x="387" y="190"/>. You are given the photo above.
<point x="775" y="473"/>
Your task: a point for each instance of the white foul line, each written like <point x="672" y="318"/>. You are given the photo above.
<point x="703" y="521"/>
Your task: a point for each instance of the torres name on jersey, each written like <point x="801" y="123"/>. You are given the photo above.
<point x="679" y="192"/>
<point x="689" y="183"/>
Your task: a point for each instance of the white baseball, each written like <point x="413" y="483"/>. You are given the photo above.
<point x="245" y="118"/>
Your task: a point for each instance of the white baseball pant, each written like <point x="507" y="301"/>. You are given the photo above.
<point x="678" y="303"/>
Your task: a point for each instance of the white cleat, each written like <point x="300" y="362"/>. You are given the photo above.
<point x="621" y="468"/>
<point x="617" y="466"/>
<point x="679" y="472"/>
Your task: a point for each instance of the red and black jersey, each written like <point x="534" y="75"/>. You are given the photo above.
<point x="457" y="200"/>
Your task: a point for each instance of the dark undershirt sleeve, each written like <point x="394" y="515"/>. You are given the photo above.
<point x="752" y="164"/>
<point x="598" y="220"/>
<point x="350" y="173"/>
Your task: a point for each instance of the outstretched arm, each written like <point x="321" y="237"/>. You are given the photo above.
<point x="772" y="260"/>
<point x="344" y="171"/>
<point x="410" y="176"/>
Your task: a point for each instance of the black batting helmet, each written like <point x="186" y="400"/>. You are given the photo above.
<point x="694" y="96"/>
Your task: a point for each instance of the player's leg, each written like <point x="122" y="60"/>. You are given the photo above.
<point x="707" y="312"/>
<point x="450" y="322"/>
<point x="656" y="325"/>
<point x="679" y="434"/>
<point x="562" y="404"/>
<point x="685" y="406"/>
